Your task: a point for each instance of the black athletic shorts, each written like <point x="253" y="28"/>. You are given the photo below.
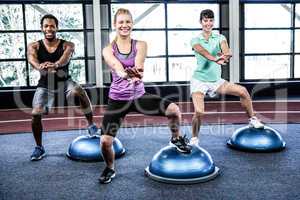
<point x="147" y="104"/>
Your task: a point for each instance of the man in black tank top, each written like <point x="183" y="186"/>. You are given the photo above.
<point x="51" y="57"/>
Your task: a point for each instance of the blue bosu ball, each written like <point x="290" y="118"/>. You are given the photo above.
<point x="87" y="148"/>
<point x="256" y="140"/>
<point x="171" y="166"/>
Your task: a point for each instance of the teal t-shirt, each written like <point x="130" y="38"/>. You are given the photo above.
<point x="207" y="70"/>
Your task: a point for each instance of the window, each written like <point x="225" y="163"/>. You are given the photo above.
<point x="270" y="41"/>
<point x="167" y="33"/>
<point x="18" y="31"/>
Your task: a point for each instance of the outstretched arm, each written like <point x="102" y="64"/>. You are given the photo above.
<point x="113" y="62"/>
<point x="138" y="69"/>
<point x="225" y="50"/>
<point x="202" y="51"/>
<point x="141" y="55"/>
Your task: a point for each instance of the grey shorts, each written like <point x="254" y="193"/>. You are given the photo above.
<point x="44" y="97"/>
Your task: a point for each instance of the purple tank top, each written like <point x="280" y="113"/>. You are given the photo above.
<point x="122" y="89"/>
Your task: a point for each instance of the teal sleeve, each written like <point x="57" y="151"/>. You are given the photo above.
<point x="222" y="38"/>
<point x="194" y="41"/>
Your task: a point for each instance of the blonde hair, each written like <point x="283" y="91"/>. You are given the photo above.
<point x="121" y="11"/>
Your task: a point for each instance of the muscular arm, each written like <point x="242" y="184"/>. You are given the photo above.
<point x="32" y="55"/>
<point x="65" y="58"/>
<point x="113" y="62"/>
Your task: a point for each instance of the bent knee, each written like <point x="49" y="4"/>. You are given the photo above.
<point x="106" y="141"/>
<point x="37" y="111"/>
<point x="244" y="92"/>
<point x="173" y="110"/>
<point x="76" y="91"/>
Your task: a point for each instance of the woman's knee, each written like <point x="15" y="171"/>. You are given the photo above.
<point x="244" y="93"/>
<point x="173" y="110"/>
<point x="106" y="141"/>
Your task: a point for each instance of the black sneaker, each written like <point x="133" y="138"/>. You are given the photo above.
<point x="38" y="153"/>
<point x="107" y="175"/>
<point x="181" y="144"/>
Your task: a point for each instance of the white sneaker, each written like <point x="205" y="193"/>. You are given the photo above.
<point x="194" y="141"/>
<point x="255" y="123"/>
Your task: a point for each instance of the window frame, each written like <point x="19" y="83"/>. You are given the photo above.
<point x="166" y="30"/>
<point x="83" y="30"/>
<point x="292" y="52"/>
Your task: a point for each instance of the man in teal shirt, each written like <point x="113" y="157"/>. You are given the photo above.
<point x="211" y="51"/>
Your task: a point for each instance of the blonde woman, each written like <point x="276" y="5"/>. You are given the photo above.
<point x="125" y="57"/>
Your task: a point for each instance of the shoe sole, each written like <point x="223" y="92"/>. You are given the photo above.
<point x="109" y="180"/>
<point x="261" y="127"/>
<point x="38" y="158"/>
<point x="181" y="151"/>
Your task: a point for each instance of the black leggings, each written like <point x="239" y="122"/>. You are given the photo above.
<point x="147" y="104"/>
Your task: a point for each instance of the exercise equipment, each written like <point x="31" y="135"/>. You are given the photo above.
<point x="171" y="166"/>
<point x="250" y="139"/>
<point x="87" y="148"/>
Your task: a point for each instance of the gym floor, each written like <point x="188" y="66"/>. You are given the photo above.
<point x="242" y="175"/>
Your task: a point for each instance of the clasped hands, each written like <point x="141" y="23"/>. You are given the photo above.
<point x="223" y="58"/>
<point x="135" y="74"/>
<point x="50" y="67"/>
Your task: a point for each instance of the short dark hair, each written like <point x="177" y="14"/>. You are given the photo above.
<point x="207" y="13"/>
<point x="49" y="16"/>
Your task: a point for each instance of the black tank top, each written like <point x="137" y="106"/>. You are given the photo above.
<point x="52" y="80"/>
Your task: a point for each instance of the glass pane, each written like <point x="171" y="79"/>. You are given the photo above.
<point x="91" y="71"/>
<point x="225" y="15"/>
<point x="12" y="74"/>
<point x="267" y="15"/>
<point x="267" y="41"/>
<point x="156" y="41"/>
<point x="147" y="15"/>
<point x="104" y="16"/>
<point x="188" y="15"/>
<point x="267" y="67"/>
<point x="11" y="17"/>
<point x="297" y="66"/>
<point x="297" y="20"/>
<point x="181" y="68"/>
<point x="32" y="37"/>
<point x="77" y="71"/>
<point x="90" y="44"/>
<point x="297" y="41"/>
<point x="75" y="37"/>
<point x="179" y="42"/>
<point x="34" y="76"/>
<point x="12" y="45"/>
<point x="89" y="16"/>
<point x="155" y="70"/>
<point x="69" y="15"/>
